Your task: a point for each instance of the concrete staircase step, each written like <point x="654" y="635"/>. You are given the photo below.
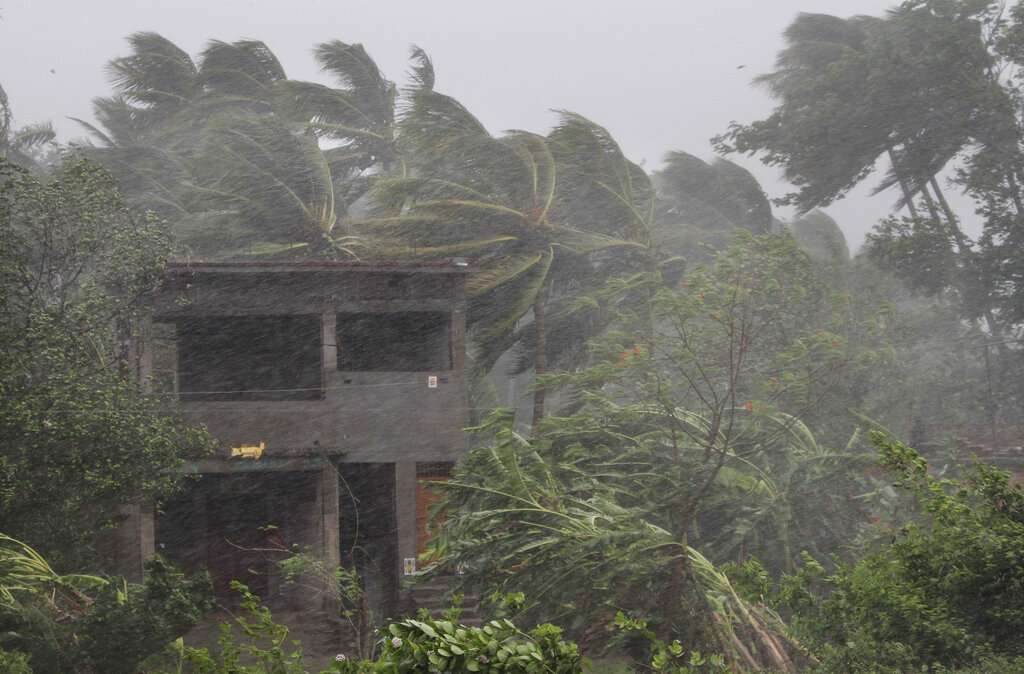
<point x="435" y="595"/>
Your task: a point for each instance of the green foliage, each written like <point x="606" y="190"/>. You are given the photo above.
<point x="12" y="662"/>
<point x="443" y="646"/>
<point x="931" y="84"/>
<point x="227" y="148"/>
<point x="700" y="204"/>
<point x="127" y="624"/>
<point x="22" y="146"/>
<point x="921" y="251"/>
<point x="502" y="199"/>
<point x="414" y="645"/>
<point x="87" y="624"/>
<point x="264" y="646"/>
<point x="345" y="588"/>
<point x="677" y="442"/>
<point x="821" y="238"/>
<point x="80" y="438"/>
<point x="671" y="658"/>
<point x="25" y="575"/>
<point x="947" y="589"/>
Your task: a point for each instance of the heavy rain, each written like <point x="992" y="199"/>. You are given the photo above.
<point x="548" y="338"/>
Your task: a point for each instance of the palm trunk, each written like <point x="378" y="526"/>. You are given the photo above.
<point x="930" y="203"/>
<point x="954" y="223"/>
<point x="540" y="360"/>
<point x="908" y="198"/>
<point x="1011" y="181"/>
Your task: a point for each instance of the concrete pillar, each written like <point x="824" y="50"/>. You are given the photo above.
<point x="405" y="512"/>
<point x="329" y="340"/>
<point x="458" y="326"/>
<point x="135" y="541"/>
<point x="143" y="345"/>
<point x="328" y="499"/>
<point x="329" y="516"/>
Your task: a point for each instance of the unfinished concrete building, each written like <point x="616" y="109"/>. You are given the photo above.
<point x="334" y="389"/>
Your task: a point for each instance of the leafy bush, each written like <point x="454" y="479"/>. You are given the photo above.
<point x="443" y="646"/>
<point x="414" y="645"/>
<point x="79" y="436"/>
<point x="127" y="624"/>
<point x="948" y="590"/>
<point x="88" y="625"/>
<point x="672" y="657"/>
<point x="14" y="663"/>
<point x="262" y="650"/>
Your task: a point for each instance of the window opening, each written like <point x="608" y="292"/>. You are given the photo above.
<point x="250" y="358"/>
<point x="408" y="341"/>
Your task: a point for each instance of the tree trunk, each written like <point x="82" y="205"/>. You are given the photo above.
<point x="994" y="329"/>
<point x="1011" y="181"/>
<point x="954" y="223"/>
<point x="908" y="198"/>
<point x="930" y="203"/>
<point x="964" y="248"/>
<point x="540" y="360"/>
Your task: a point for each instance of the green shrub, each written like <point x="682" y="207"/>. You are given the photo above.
<point x="444" y="646"/>
<point x="946" y="591"/>
<point x="263" y="648"/>
<point x="414" y="645"/>
<point x="12" y="662"/>
<point x="127" y="624"/>
<point x="108" y="627"/>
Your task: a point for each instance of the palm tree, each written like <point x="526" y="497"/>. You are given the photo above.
<point x="821" y="238"/>
<point x="702" y="204"/>
<point x="468" y="191"/>
<point x="17" y="145"/>
<point x="234" y="153"/>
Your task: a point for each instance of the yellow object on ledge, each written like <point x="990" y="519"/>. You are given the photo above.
<point x="253" y="452"/>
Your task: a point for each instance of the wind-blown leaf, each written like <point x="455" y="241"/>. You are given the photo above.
<point x="502" y="271"/>
<point x="246" y="68"/>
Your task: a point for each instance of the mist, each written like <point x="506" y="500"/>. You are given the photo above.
<point x="359" y="337"/>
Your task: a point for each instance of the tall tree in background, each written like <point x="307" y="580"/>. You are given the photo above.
<point x="703" y="204"/>
<point x="18" y="145"/>
<point x="923" y="87"/>
<point x="80" y="439"/>
<point x="820" y="236"/>
<point x="235" y="155"/>
<point x="471" y="192"/>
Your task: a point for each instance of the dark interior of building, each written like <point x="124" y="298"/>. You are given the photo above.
<point x="239" y="526"/>
<point x="407" y="341"/>
<point x="249" y="358"/>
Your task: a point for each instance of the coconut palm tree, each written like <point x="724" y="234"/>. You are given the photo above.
<point x="17" y="145"/>
<point x="237" y="156"/>
<point x="470" y="192"/>
<point x="821" y="238"/>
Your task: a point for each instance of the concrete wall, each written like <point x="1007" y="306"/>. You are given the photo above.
<point x="396" y="418"/>
<point x="362" y="416"/>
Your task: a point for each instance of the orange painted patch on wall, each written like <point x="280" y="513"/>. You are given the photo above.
<point x="425" y="498"/>
<point x="252" y="452"/>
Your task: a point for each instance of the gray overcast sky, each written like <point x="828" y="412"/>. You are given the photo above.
<point x="659" y="74"/>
